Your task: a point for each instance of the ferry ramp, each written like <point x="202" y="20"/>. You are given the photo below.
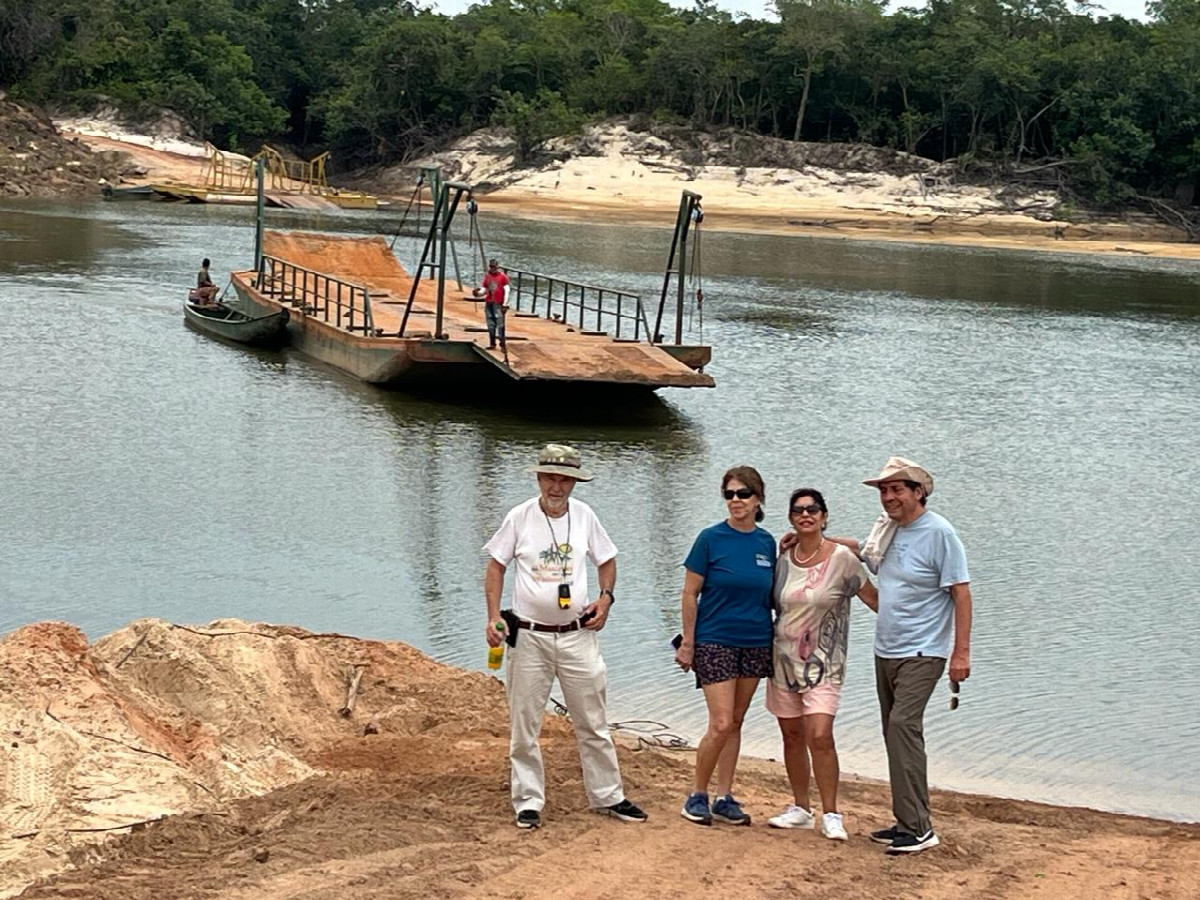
<point x="594" y="360"/>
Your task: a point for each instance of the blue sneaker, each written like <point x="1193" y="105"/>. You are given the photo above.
<point x="696" y="809"/>
<point x="729" y="811"/>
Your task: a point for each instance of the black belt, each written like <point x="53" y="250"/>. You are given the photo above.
<point x="552" y="629"/>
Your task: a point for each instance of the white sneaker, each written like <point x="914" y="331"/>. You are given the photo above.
<point x="833" y="827"/>
<point x="793" y="817"/>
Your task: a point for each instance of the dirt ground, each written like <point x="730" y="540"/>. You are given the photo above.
<point x="218" y="766"/>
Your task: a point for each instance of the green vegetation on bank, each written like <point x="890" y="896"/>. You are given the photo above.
<point x="1111" y="106"/>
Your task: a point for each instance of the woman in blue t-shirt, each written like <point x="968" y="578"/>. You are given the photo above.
<point x="727" y="634"/>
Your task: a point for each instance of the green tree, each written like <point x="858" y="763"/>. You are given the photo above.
<point x="404" y="90"/>
<point x="821" y="31"/>
<point x="534" y="120"/>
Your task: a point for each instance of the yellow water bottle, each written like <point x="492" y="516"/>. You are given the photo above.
<point x="496" y="654"/>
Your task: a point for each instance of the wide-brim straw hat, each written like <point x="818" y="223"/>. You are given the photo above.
<point x="897" y="468"/>
<point x="559" y="459"/>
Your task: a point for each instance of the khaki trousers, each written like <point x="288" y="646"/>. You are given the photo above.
<point x="904" y="687"/>
<point x="533" y="664"/>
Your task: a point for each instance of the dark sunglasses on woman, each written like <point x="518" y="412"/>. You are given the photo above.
<point x="740" y="493"/>
<point x="812" y="509"/>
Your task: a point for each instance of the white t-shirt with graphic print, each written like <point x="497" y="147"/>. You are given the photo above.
<point x="547" y="553"/>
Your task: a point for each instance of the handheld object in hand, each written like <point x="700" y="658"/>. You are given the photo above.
<point x="954" y="686"/>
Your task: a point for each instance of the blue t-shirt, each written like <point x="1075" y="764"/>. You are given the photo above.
<point x="916" y="614"/>
<point x="739" y="572"/>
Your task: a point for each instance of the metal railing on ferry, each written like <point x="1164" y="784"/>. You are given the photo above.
<point x="332" y="300"/>
<point x="586" y="307"/>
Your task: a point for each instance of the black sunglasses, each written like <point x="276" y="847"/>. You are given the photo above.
<point x="954" y="685"/>
<point x="812" y="509"/>
<point x="740" y="493"/>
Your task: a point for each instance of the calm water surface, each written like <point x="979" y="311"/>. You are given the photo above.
<point x="150" y="471"/>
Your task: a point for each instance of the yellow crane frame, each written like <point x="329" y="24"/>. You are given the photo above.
<point x="230" y="173"/>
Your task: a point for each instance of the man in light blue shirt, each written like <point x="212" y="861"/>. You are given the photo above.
<point x="924" y="619"/>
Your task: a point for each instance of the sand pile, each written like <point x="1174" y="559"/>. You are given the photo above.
<point x="158" y="720"/>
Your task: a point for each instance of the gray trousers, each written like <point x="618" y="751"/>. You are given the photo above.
<point x="494" y="315"/>
<point x="904" y="687"/>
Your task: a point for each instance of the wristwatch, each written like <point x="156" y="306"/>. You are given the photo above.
<point x="612" y="598"/>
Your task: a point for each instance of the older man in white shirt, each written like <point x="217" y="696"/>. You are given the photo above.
<point x="553" y="632"/>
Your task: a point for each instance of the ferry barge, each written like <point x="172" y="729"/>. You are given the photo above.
<point x="352" y="305"/>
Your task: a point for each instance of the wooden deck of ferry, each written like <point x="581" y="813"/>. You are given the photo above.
<point x="347" y="298"/>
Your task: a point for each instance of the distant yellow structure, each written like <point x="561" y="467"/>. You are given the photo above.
<point x="229" y="178"/>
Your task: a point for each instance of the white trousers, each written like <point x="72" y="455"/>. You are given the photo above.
<point x="533" y="664"/>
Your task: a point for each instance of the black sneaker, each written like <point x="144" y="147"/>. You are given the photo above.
<point x="529" y="818"/>
<point x="886" y="835"/>
<point x="911" y="843"/>
<point x="626" y="812"/>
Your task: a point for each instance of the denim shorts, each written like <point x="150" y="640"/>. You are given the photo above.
<point x="713" y="663"/>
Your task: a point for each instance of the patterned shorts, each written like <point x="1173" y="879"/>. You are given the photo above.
<point x="713" y="663"/>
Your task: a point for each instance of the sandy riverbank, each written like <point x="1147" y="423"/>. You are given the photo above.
<point x="613" y="175"/>
<point x="212" y="762"/>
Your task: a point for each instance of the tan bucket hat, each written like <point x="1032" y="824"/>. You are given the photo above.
<point x="897" y="468"/>
<point x="559" y="459"/>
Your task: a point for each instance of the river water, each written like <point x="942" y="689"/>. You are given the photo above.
<point x="150" y="471"/>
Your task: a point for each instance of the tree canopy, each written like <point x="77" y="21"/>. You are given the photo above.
<point x="1113" y="104"/>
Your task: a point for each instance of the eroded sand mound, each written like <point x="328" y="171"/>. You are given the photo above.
<point x="159" y="719"/>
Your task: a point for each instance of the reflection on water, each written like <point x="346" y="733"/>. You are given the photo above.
<point x="63" y="238"/>
<point x="151" y="471"/>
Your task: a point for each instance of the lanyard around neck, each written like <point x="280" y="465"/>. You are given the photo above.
<point x="562" y="551"/>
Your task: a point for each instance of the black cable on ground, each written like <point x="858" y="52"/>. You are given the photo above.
<point x="649" y="733"/>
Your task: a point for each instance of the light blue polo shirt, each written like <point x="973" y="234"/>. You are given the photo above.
<point x="916" y="614"/>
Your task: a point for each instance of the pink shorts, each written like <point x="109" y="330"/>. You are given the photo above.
<point x="824" y="699"/>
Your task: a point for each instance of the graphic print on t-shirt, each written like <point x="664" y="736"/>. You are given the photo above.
<point x="555" y="564"/>
<point x="820" y="645"/>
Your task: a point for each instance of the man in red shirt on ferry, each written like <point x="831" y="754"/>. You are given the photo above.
<point x="495" y="293"/>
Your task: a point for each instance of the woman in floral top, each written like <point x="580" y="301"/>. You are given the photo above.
<point x="814" y="581"/>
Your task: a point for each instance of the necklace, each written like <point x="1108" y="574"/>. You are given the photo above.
<point x="810" y="557"/>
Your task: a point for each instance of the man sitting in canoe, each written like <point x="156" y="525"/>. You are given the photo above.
<point x="206" y="292"/>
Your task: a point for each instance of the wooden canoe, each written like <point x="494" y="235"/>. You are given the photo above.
<point x="234" y="325"/>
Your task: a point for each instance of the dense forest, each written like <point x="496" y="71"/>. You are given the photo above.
<point x="1109" y="106"/>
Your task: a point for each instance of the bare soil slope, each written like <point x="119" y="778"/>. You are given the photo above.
<point x="37" y="161"/>
<point x="218" y="761"/>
